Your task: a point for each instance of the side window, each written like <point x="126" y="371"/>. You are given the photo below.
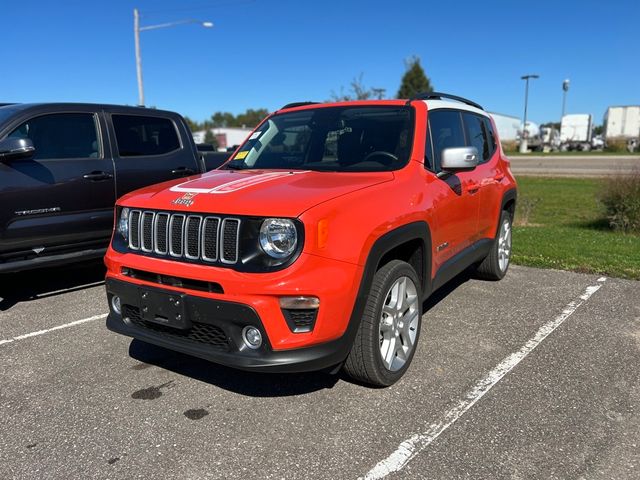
<point x="446" y="132"/>
<point x="61" y="136"/>
<point x="138" y="135"/>
<point x="428" y="152"/>
<point x="493" y="141"/>
<point x="477" y="135"/>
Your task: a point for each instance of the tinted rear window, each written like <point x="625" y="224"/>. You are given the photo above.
<point x="138" y="135"/>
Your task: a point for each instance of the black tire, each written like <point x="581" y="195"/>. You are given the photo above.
<point x="365" y="362"/>
<point x="489" y="268"/>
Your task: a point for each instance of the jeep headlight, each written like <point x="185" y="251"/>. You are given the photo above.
<point x="123" y="224"/>
<point x="278" y="237"/>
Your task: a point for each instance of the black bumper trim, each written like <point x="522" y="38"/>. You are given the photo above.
<point x="231" y="317"/>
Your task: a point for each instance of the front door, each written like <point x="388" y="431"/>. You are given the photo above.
<point x="455" y="196"/>
<point x="64" y="194"/>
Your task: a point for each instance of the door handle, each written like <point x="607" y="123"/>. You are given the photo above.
<point x="182" y="171"/>
<point x="97" y="176"/>
<point x="473" y="187"/>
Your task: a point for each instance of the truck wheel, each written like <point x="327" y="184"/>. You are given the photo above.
<point x="388" y="334"/>
<point x="496" y="264"/>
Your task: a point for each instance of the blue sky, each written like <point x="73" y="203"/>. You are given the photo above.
<point x="265" y="53"/>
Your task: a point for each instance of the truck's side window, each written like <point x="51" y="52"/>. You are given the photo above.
<point x="61" y="136"/>
<point x="477" y="135"/>
<point x="446" y="132"/>
<point x="138" y="135"/>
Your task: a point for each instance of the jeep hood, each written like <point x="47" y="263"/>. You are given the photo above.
<point x="254" y="192"/>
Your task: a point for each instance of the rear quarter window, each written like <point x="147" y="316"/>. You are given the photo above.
<point x="138" y="135"/>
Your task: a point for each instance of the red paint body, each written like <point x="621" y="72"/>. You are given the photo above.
<point x="352" y="210"/>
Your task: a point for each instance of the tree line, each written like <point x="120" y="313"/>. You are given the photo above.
<point x="414" y="80"/>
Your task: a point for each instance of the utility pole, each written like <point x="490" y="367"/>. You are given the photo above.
<point x="523" y="136"/>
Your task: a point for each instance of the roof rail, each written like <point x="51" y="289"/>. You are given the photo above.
<point x="297" y="104"/>
<point x="440" y="96"/>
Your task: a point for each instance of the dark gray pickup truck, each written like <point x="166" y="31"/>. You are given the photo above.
<point x="63" y="165"/>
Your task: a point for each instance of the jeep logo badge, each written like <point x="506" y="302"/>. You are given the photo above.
<point x="186" y="199"/>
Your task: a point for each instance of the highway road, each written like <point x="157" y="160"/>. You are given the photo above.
<point x="535" y="376"/>
<point x="574" y="165"/>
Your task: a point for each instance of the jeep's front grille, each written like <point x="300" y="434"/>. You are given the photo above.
<point x="208" y="239"/>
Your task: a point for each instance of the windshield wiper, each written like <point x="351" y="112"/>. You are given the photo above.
<point x="235" y="165"/>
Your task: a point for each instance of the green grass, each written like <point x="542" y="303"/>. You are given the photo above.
<point x="566" y="229"/>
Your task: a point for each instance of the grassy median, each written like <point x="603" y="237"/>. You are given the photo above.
<point x="561" y="224"/>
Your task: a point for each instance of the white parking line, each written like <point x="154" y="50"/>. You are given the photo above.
<point x="59" y="327"/>
<point x="408" y="449"/>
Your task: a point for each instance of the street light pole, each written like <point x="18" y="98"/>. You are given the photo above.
<point x="565" y="89"/>
<point x="523" y="136"/>
<point x="136" y="31"/>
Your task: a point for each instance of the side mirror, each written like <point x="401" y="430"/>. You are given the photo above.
<point x="14" y="148"/>
<point x="459" y="159"/>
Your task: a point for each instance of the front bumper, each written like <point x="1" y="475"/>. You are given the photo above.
<point x="216" y="333"/>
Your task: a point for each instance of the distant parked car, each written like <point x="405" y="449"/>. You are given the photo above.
<point x="62" y="167"/>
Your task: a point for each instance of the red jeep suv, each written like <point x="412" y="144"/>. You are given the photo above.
<point x="315" y="246"/>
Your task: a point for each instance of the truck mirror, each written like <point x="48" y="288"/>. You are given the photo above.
<point x="14" y="148"/>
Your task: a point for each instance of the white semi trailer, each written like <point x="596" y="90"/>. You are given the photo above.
<point x="507" y="126"/>
<point x="576" y="131"/>
<point x="623" y="123"/>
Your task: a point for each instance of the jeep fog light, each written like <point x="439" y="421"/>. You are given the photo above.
<point x="252" y="337"/>
<point x="278" y="237"/>
<point x="123" y="224"/>
<point x="116" y="304"/>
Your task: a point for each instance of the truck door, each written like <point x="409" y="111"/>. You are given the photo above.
<point x="455" y="199"/>
<point x="62" y="195"/>
<point x="149" y="149"/>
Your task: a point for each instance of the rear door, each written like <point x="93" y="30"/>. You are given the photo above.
<point x="149" y="149"/>
<point x="65" y="193"/>
<point x="456" y="204"/>
<point x="480" y="134"/>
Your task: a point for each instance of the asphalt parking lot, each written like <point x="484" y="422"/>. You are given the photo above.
<point x="535" y="376"/>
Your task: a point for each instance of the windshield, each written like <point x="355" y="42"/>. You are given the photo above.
<point x="341" y="139"/>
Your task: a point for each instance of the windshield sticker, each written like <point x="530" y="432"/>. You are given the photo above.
<point x="255" y="135"/>
<point x="241" y="155"/>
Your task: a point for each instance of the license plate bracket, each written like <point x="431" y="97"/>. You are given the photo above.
<point x="164" y="308"/>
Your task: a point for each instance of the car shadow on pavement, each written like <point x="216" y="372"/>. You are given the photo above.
<point x="252" y="384"/>
<point x="443" y="292"/>
<point x="46" y="282"/>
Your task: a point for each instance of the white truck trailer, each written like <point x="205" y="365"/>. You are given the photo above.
<point x="576" y="131"/>
<point x="507" y="126"/>
<point x="623" y="123"/>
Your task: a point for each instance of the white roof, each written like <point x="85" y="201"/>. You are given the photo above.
<point x="438" y="104"/>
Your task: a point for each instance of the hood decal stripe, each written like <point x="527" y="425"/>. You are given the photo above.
<point x="234" y="185"/>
